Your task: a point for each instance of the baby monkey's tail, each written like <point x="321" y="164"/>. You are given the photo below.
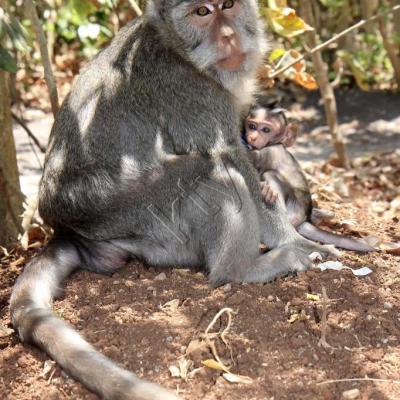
<point x="310" y="231"/>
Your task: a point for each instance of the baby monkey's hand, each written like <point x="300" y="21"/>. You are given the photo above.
<point x="268" y="195"/>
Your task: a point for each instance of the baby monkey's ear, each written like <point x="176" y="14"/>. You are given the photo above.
<point x="290" y="134"/>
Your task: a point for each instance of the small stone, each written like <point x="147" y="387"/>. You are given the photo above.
<point x="370" y="317"/>
<point x="387" y="306"/>
<point x="129" y="283"/>
<point x="116" y="283"/>
<point x="270" y="298"/>
<point x="150" y="288"/>
<point x="351" y="394"/>
<point x="161" y="277"/>
<point x="227" y="288"/>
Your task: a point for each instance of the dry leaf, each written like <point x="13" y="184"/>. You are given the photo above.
<point x="210" y="363"/>
<point x="391" y="248"/>
<point x="298" y="317"/>
<point x="17" y="262"/>
<point x="233" y="378"/>
<point x="196" y="345"/>
<point x="285" y="22"/>
<point x="184" y="366"/>
<point x="27" y="217"/>
<point x="313" y="297"/>
<point x="175" y="371"/>
<point x="4" y="331"/>
<point x="48" y="368"/>
<point x="306" y="80"/>
<point x="171" y="305"/>
<point x="5" y="251"/>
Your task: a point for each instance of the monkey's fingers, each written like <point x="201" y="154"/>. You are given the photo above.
<point x="268" y="194"/>
<point x="309" y="247"/>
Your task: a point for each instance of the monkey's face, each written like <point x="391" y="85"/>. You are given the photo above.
<point x="218" y="36"/>
<point x="264" y="129"/>
<point x="259" y="133"/>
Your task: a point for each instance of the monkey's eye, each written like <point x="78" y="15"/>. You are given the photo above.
<point x="203" y="11"/>
<point x="252" y="127"/>
<point x="228" y="4"/>
<point x="266" y="130"/>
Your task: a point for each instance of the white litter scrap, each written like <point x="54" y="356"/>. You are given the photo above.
<point x="338" y="266"/>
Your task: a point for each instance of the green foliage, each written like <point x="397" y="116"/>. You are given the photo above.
<point x="332" y="3"/>
<point x="12" y="36"/>
<point x="83" y="22"/>
<point x="365" y="58"/>
<point x="7" y="61"/>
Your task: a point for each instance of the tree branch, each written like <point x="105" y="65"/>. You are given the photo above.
<point x="135" y="7"/>
<point x="29" y="132"/>
<point x="44" y="52"/>
<point x="333" y="39"/>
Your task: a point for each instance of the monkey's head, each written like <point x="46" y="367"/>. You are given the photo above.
<point x="220" y="37"/>
<point x="265" y="127"/>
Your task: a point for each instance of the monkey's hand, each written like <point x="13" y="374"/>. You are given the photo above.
<point x="267" y="193"/>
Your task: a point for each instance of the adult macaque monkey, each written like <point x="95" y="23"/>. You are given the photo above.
<point x="281" y="178"/>
<point x="145" y="160"/>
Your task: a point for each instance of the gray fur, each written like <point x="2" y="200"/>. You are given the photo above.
<point x="144" y="161"/>
<point x="283" y="174"/>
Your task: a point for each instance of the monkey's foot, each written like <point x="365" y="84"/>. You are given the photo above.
<point x="286" y="259"/>
<point x="267" y="193"/>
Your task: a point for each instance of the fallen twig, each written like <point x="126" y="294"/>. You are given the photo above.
<point x="324" y="320"/>
<point x="209" y="336"/>
<point x="358" y="380"/>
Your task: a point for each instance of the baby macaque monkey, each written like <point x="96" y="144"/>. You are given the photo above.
<point x="267" y="134"/>
<point x="265" y="127"/>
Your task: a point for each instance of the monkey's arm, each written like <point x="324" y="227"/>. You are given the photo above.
<point x="275" y="226"/>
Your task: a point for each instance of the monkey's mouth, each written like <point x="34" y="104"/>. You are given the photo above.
<point x="232" y="63"/>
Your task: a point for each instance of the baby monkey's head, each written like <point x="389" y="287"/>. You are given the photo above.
<point x="265" y="127"/>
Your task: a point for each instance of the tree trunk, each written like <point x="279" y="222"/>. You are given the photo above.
<point x="327" y="93"/>
<point x="390" y="49"/>
<point x="368" y="9"/>
<point x="10" y="192"/>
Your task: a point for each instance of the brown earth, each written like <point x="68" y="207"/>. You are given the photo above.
<point x="124" y="317"/>
<point x="276" y="331"/>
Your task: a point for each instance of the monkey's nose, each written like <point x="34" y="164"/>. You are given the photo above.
<point x="252" y="138"/>
<point x="227" y="32"/>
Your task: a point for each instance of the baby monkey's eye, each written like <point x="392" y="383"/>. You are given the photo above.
<point x="266" y="130"/>
<point x="252" y="127"/>
<point x="203" y="11"/>
<point x="228" y="4"/>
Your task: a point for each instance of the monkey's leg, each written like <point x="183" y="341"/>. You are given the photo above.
<point x="32" y="316"/>
<point x="231" y="244"/>
<point x="319" y="215"/>
<point x="282" y="191"/>
<point x="233" y="254"/>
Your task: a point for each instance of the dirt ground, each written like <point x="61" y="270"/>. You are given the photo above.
<point x="146" y="321"/>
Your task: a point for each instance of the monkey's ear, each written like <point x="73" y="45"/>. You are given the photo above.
<point x="290" y="135"/>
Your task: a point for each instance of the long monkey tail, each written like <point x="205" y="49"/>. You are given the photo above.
<point x="32" y="315"/>
<point x="310" y="231"/>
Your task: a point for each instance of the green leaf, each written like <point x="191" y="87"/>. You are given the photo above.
<point x="7" y="62"/>
<point x="277" y="53"/>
